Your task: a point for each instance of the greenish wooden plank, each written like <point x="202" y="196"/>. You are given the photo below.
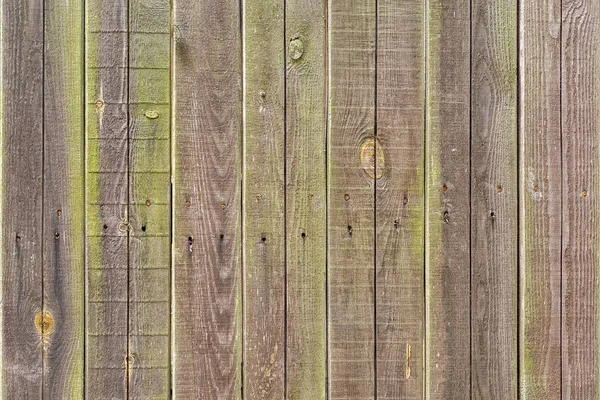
<point x="263" y="227"/>
<point x="447" y="201"/>
<point x="398" y="155"/>
<point x="64" y="207"/>
<point x="540" y="200"/>
<point x="306" y="199"/>
<point x="22" y="198"/>
<point x="106" y="199"/>
<point x="494" y="212"/>
<point x="207" y="320"/>
<point x="351" y="145"/>
<point x="580" y="88"/>
<point x="149" y="199"/>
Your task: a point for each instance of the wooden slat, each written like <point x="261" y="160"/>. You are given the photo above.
<point x="149" y="198"/>
<point x="540" y="200"/>
<point x="106" y="199"/>
<point x="63" y="236"/>
<point x="263" y="200"/>
<point x="22" y="197"/>
<point x="206" y="166"/>
<point x="399" y="160"/>
<point x="351" y="199"/>
<point x="494" y="200"/>
<point x="448" y="201"/>
<point x="306" y="199"/>
<point x="580" y="199"/>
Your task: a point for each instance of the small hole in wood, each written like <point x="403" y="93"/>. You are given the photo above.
<point x="18" y="238"/>
<point x="445" y="188"/>
<point x="188" y="203"/>
<point x="303" y="235"/>
<point x="584" y="193"/>
<point x="311" y="197"/>
<point x="258" y="198"/>
<point x="346" y="197"/>
<point x="405" y="201"/>
<point x="59" y="213"/>
<point x="221" y="236"/>
<point x="263" y="239"/>
<point x="105" y="227"/>
<point x="500" y="189"/>
<point x="143" y="228"/>
<point x="148" y="203"/>
<point x="223" y="206"/>
<point x="350" y="229"/>
<point x="102" y="208"/>
<point x="492" y="215"/>
<point x="56" y="235"/>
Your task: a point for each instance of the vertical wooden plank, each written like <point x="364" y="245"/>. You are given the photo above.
<point x="351" y="172"/>
<point x="206" y="167"/>
<point x="106" y="199"/>
<point x="399" y="173"/>
<point x="540" y="199"/>
<point x="581" y="190"/>
<point x="149" y="198"/>
<point x="447" y="200"/>
<point x="22" y="197"/>
<point x="263" y="200"/>
<point x="494" y="200"/>
<point x="64" y="207"/>
<point x="306" y="199"/>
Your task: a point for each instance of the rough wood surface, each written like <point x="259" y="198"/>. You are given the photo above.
<point x="207" y="323"/>
<point x="306" y="199"/>
<point x="540" y="200"/>
<point x="351" y="171"/>
<point x="581" y="191"/>
<point x="22" y="196"/>
<point x="107" y="169"/>
<point x="63" y="236"/>
<point x="448" y="201"/>
<point x="494" y="200"/>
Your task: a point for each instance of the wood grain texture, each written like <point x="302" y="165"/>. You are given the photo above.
<point x="494" y="200"/>
<point x="207" y="193"/>
<point x="149" y="198"/>
<point x="581" y="188"/>
<point x="107" y="217"/>
<point x="540" y="200"/>
<point x="447" y="201"/>
<point x="64" y="207"/>
<point x="399" y="172"/>
<point x="306" y="199"/>
<point x="351" y="191"/>
<point x="22" y="196"/>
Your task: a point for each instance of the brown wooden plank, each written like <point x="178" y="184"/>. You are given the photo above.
<point x="64" y="206"/>
<point x="106" y="199"/>
<point x="207" y="191"/>
<point x="448" y="201"/>
<point x="263" y="200"/>
<point x="399" y="163"/>
<point x="306" y="199"/>
<point x="494" y="200"/>
<point x="351" y="172"/>
<point x="581" y="188"/>
<point x="22" y="197"/>
<point x="149" y="198"/>
<point x="540" y="200"/>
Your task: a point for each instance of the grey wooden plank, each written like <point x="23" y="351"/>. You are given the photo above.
<point x="494" y="200"/>
<point x="207" y="272"/>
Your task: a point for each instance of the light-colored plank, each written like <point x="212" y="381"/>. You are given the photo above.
<point x="448" y="201"/>
<point x="494" y="213"/>
<point x="351" y="171"/>
<point x="207" y="193"/>
<point x="580" y="199"/>
<point x="306" y="199"/>
<point x="540" y="200"/>
<point x="64" y="207"/>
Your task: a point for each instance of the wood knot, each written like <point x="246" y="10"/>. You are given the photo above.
<point x="44" y="323"/>
<point x="372" y="158"/>
<point x="296" y="48"/>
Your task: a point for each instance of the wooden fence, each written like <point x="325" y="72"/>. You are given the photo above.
<point x="309" y="199"/>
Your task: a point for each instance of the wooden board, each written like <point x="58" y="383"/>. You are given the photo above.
<point x="149" y="245"/>
<point x="351" y="171"/>
<point x="264" y="193"/>
<point x="494" y="190"/>
<point x="580" y="199"/>
<point x="207" y="83"/>
<point x="64" y="222"/>
<point x="107" y="217"/>
<point x="540" y="200"/>
<point x="399" y="203"/>
<point x="447" y="199"/>
<point x="22" y="197"/>
<point x="306" y="199"/>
